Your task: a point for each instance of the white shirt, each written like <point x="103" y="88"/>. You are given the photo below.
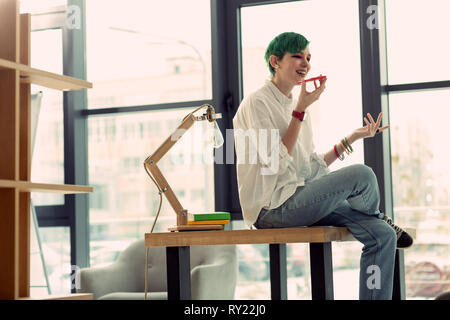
<point x="271" y="176"/>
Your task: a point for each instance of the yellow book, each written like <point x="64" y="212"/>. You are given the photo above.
<point x="209" y="222"/>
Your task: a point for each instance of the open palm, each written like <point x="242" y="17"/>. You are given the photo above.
<point x="371" y="128"/>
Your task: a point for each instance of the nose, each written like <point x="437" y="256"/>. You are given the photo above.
<point x="306" y="64"/>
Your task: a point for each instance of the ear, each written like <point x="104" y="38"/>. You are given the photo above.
<point x="273" y="60"/>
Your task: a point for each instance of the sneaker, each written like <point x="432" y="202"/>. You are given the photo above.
<point x="404" y="240"/>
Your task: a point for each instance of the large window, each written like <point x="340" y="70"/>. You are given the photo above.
<point x="148" y="52"/>
<point x="336" y="54"/>
<point x="416" y="52"/>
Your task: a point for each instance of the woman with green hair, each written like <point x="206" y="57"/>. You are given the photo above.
<point x="291" y="185"/>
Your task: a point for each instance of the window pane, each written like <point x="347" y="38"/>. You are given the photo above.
<point x="38" y="280"/>
<point x="125" y="199"/>
<point x="421" y="186"/>
<point x="416" y="46"/>
<point x="47" y="165"/>
<point x="147" y="52"/>
<point x="56" y="250"/>
<point x="336" y="54"/>
<point x="333" y="117"/>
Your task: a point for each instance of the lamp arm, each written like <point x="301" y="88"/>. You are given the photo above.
<point x="165" y="188"/>
<point x="150" y="163"/>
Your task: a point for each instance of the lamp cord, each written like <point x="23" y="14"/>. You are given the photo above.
<point x="151" y="231"/>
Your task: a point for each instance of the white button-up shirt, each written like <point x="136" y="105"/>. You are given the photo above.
<point x="266" y="174"/>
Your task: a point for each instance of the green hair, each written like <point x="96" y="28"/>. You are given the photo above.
<point x="285" y="42"/>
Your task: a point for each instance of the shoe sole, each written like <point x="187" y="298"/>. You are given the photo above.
<point x="404" y="247"/>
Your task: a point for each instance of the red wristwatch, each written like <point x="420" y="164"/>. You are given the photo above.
<point x="299" y="115"/>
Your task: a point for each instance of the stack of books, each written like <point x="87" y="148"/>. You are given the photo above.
<point x="213" y="218"/>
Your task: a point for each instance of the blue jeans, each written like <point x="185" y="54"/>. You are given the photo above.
<point x="348" y="197"/>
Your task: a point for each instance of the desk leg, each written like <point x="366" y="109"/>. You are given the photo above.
<point x="178" y="273"/>
<point x="399" y="276"/>
<point x="278" y="274"/>
<point x="321" y="271"/>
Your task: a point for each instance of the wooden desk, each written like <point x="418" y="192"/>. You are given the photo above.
<point x="319" y="238"/>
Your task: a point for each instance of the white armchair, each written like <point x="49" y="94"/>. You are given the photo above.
<point x="212" y="267"/>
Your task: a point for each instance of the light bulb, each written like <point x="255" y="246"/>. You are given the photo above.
<point x="216" y="135"/>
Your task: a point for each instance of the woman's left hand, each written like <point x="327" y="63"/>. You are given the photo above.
<point x="371" y="128"/>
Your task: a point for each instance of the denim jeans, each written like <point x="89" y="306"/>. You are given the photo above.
<point x="348" y="197"/>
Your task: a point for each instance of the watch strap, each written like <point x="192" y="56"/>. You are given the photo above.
<point x="299" y="115"/>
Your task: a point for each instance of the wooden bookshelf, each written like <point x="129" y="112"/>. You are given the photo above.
<point x="16" y="77"/>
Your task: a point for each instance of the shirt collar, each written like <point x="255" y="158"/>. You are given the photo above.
<point x="281" y="98"/>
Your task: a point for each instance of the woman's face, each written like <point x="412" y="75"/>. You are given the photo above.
<point x="294" y="67"/>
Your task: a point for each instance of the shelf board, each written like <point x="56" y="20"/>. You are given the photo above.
<point x="74" y="296"/>
<point x="27" y="186"/>
<point x="44" y="78"/>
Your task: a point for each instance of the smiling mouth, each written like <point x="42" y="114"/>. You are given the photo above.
<point x="302" y="73"/>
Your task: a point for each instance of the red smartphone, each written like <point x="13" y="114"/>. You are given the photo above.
<point x="312" y="79"/>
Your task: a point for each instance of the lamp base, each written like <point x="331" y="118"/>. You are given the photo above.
<point x="196" y="227"/>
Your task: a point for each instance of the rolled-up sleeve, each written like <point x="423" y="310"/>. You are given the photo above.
<point x="319" y="167"/>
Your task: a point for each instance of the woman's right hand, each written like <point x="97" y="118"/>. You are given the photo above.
<point x="307" y="98"/>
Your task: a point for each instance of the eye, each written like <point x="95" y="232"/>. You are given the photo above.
<point x="301" y="57"/>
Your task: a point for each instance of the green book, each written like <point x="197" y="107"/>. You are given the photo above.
<point x="209" y="216"/>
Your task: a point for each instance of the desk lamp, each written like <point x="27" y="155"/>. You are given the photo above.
<point x="151" y="167"/>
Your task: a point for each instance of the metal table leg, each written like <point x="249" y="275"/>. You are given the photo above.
<point x="321" y="271"/>
<point x="278" y="273"/>
<point x="178" y="273"/>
